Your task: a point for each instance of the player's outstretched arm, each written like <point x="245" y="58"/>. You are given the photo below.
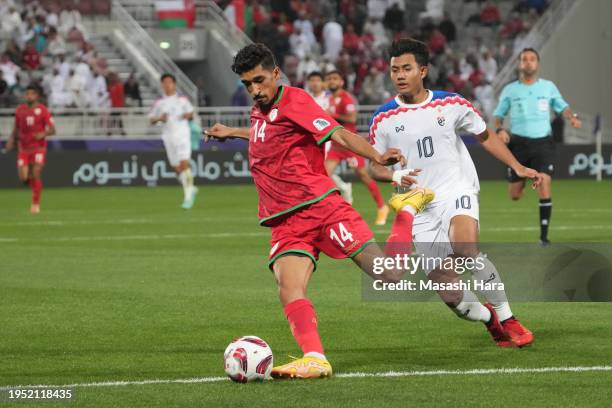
<point x="498" y="149"/>
<point x="221" y="132"/>
<point x="404" y="177"/>
<point x="359" y="145"/>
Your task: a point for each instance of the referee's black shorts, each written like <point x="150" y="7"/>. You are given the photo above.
<point x="538" y="154"/>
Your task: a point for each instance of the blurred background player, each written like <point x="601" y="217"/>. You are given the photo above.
<point x="175" y="112"/>
<point x="529" y="100"/>
<point x="315" y="83"/>
<point x="425" y="125"/>
<point x="343" y="108"/>
<point x="33" y="124"/>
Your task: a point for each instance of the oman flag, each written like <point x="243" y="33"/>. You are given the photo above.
<point x="175" y="13"/>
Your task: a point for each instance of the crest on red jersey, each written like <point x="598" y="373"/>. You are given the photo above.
<point x="273" y="114"/>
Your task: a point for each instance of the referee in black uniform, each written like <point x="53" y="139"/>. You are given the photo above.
<point x="529" y="100"/>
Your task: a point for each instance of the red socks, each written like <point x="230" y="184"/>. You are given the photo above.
<point x="303" y="322"/>
<point x="400" y="239"/>
<point x="36" y="186"/>
<point x="375" y="191"/>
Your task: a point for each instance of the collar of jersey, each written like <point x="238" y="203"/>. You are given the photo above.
<point x="280" y="95"/>
<point x="398" y="100"/>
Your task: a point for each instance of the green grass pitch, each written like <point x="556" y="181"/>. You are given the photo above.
<point x="120" y="284"/>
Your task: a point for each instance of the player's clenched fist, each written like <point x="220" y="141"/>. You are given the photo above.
<point x="217" y="131"/>
<point x="405" y="177"/>
<point x="391" y="157"/>
<point x="526" y="172"/>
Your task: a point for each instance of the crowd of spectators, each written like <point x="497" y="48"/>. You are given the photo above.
<point x="48" y="46"/>
<point x="352" y="36"/>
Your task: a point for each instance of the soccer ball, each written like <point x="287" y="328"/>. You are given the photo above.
<point x="248" y="358"/>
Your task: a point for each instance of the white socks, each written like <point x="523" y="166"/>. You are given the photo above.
<point x="410" y="209"/>
<point x="470" y="308"/>
<point x="342" y="185"/>
<point x="315" y="354"/>
<point x="186" y="179"/>
<point x="497" y="298"/>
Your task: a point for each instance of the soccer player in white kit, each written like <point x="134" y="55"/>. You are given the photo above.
<point x="425" y="126"/>
<point x="174" y="112"/>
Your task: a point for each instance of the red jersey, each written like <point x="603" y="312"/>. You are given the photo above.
<point x="117" y="95"/>
<point x="29" y="122"/>
<point x="343" y="104"/>
<point x="286" y="153"/>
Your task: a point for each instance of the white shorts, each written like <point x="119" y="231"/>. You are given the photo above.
<point x="431" y="227"/>
<point x="177" y="149"/>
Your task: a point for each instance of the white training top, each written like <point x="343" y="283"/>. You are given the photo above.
<point x="175" y="107"/>
<point x="428" y="135"/>
<point x="322" y="100"/>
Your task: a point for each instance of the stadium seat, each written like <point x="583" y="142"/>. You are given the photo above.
<point x="102" y="7"/>
<point x="85" y="7"/>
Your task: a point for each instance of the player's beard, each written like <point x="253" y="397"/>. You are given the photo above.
<point x="262" y="105"/>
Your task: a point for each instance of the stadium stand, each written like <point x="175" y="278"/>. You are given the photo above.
<point x="473" y="43"/>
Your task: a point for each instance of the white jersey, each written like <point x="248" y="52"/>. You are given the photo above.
<point x="428" y="136"/>
<point x="322" y="100"/>
<point x="175" y="107"/>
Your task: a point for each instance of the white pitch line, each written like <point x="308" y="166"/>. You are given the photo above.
<point x="258" y="234"/>
<point x="387" y="374"/>
<point x="146" y="237"/>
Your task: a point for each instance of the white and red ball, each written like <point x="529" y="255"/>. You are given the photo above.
<point x="248" y="358"/>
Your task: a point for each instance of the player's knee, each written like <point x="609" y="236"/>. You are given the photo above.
<point x="288" y="294"/>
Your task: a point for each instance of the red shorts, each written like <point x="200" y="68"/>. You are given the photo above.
<point x="32" y="157"/>
<point x="340" y="154"/>
<point x="330" y="226"/>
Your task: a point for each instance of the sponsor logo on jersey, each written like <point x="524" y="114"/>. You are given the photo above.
<point x="273" y="114"/>
<point x="399" y="129"/>
<point x="320" y="123"/>
<point x="37" y="111"/>
<point x="441" y="120"/>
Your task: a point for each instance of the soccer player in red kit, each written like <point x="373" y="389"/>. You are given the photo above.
<point x="297" y="199"/>
<point x="343" y="108"/>
<point x="33" y="124"/>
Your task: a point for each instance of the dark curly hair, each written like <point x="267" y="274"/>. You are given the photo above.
<point x="167" y="75"/>
<point x="251" y="56"/>
<point x="34" y="87"/>
<point x="417" y="48"/>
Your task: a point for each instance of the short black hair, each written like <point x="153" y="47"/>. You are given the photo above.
<point x="251" y="56"/>
<point x="315" y="74"/>
<point x="167" y="75"/>
<point x="529" y="49"/>
<point x="33" y="87"/>
<point x="417" y="48"/>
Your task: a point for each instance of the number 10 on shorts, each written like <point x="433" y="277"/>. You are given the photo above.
<point x="344" y="237"/>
